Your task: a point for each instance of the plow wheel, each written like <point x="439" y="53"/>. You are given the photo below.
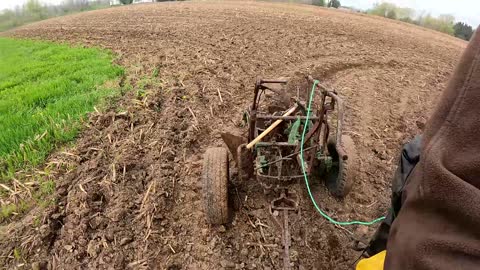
<point x="215" y="185"/>
<point x="341" y="177"/>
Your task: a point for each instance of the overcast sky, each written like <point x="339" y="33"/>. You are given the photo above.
<point x="12" y="3"/>
<point x="463" y="10"/>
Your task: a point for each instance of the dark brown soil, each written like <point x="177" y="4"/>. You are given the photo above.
<point x="129" y="194"/>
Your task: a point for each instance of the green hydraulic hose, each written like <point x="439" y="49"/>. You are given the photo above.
<point x="331" y="220"/>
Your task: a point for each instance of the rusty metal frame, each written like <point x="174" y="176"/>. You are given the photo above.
<point x="319" y="133"/>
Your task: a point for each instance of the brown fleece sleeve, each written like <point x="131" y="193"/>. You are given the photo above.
<point x="438" y="226"/>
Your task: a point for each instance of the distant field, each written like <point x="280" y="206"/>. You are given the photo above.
<point x="10" y="19"/>
<point x="45" y="89"/>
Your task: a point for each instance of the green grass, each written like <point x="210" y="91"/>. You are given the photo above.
<point x="46" y="90"/>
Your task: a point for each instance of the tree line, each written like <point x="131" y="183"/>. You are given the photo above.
<point x="328" y="3"/>
<point x="444" y="23"/>
<point x="34" y="10"/>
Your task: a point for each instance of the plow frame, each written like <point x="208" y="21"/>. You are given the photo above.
<point x="277" y="164"/>
<point x="315" y="140"/>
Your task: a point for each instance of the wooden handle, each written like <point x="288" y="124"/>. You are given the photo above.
<point x="270" y="128"/>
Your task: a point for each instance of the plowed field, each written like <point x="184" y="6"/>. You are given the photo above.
<point x="129" y="194"/>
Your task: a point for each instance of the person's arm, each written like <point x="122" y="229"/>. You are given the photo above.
<point x="438" y="226"/>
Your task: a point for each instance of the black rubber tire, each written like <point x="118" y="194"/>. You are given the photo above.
<point x="331" y="144"/>
<point x="215" y="185"/>
<point x="340" y="179"/>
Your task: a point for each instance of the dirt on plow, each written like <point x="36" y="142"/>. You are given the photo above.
<point x="129" y="193"/>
